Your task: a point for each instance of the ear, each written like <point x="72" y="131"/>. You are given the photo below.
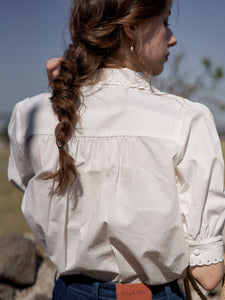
<point x="129" y="31"/>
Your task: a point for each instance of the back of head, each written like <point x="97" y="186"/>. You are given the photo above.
<point x="97" y="27"/>
<point x="98" y="40"/>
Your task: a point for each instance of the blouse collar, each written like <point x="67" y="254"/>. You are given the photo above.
<point x="125" y="77"/>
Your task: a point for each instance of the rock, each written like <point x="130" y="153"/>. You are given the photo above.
<point x="6" y="292"/>
<point x="42" y="290"/>
<point x="17" y="260"/>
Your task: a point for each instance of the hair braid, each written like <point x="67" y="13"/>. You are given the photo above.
<point x="98" y="41"/>
<point x="66" y="104"/>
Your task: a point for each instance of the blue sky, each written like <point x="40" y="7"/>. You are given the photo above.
<point x="32" y="32"/>
<point x="200" y="29"/>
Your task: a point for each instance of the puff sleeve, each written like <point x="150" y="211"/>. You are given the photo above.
<point x="200" y="179"/>
<point x="19" y="166"/>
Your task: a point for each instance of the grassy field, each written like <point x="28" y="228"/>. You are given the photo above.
<point x="11" y="218"/>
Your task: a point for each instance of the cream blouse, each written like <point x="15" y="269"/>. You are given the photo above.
<point x="149" y="199"/>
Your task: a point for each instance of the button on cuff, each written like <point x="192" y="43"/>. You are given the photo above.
<point x="206" y="252"/>
<point x="196" y="252"/>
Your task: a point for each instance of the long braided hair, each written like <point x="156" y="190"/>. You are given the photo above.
<point x="98" y="41"/>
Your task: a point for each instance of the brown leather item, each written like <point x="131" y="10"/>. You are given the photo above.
<point x="133" y="291"/>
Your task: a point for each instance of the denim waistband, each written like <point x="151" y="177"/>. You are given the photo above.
<point x="86" y="283"/>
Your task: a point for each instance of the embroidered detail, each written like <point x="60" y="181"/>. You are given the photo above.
<point x="125" y="77"/>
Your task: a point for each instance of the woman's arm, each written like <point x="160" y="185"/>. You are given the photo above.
<point x="208" y="276"/>
<point x="200" y="175"/>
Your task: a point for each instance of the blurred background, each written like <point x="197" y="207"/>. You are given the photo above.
<point x="34" y="31"/>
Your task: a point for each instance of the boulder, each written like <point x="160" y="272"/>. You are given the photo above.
<point x="6" y="292"/>
<point x="17" y="260"/>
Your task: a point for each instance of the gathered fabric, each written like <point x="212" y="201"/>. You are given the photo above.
<point x="148" y="200"/>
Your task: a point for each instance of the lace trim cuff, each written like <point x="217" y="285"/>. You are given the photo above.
<point x="206" y="252"/>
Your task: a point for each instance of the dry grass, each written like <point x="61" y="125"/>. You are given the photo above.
<point x="11" y="218"/>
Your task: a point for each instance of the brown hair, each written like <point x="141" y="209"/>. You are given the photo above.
<point x="98" y="41"/>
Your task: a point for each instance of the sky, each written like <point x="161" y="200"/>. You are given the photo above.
<point x="33" y="31"/>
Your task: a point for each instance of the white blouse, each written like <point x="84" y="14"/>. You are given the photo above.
<point x="149" y="198"/>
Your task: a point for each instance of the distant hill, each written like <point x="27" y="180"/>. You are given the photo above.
<point x="4" y="119"/>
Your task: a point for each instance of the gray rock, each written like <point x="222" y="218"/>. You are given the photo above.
<point x="42" y="289"/>
<point x="6" y="292"/>
<point x="17" y="260"/>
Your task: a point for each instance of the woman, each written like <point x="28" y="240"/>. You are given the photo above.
<point x="123" y="184"/>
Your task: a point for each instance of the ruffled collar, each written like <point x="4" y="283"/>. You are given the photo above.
<point x="124" y="77"/>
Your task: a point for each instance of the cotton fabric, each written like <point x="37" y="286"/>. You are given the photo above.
<point x="149" y="197"/>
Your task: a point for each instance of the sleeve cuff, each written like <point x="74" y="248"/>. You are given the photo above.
<point x="206" y="252"/>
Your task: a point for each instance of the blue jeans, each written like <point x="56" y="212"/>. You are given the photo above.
<point x="79" y="287"/>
